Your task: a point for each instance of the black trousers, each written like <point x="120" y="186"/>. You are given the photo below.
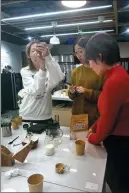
<point x="117" y="169"/>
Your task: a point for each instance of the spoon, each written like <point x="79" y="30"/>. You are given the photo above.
<point x="16" y="144"/>
<point x="12" y="141"/>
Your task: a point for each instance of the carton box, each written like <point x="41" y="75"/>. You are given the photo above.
<point x="64" y="115"/>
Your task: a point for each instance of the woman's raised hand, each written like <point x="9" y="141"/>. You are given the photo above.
<point x="43" y="50"/>
<point x="40" y="53"/>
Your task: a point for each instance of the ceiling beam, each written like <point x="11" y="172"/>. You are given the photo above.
<point x="12" y="2"/>
<point x="123" y="10"/>
<point x="4" y="15"/>
<point x="12" y="39"/>
<point x="34" y="35"/>
<point x="115" y="2"/>
<point x="84" y="17"/>
<point x="63" y="18"/>
<point x="70" y="29"/>
<point x="12" y="34"/>
<point x="59" y="22"/>
<point x="123" y="24"/>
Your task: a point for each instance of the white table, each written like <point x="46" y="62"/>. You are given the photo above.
<point x="58" y="96"/>
<point x="19" y="184"/>
<point x="89" y="168"/>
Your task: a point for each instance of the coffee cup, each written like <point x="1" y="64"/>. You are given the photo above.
<point x="80" y="147"/>
<point x="14" y="124"/>
<point x="60" y="168"/>
<point x="35" y="183"/>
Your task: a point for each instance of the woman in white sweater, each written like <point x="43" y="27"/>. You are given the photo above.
<point x="39" y="78"/>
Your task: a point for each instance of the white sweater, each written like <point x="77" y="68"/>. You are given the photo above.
<point x="37" y="101"/>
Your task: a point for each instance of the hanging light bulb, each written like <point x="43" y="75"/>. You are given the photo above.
<point x="54" y="39"/>
<point x="29" y="38"/>
<point x="73" y="4"/>
<point x="101" y="19"/>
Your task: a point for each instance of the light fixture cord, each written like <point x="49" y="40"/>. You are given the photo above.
<point x="54" y="30"/>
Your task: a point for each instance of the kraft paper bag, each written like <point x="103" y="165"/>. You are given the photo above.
<point x="79" y="123"/>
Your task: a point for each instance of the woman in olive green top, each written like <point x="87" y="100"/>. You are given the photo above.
<point x="86" y="85"/>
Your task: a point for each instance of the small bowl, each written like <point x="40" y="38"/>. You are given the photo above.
<point x="60" y="168"/>
<point x="33" y="138"/>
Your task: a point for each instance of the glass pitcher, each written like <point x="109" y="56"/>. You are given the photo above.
<point x="55" y="135"/>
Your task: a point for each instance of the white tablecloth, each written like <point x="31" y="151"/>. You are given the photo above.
<point x="86" y="172"/>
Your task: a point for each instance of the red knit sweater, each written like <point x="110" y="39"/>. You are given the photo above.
<point x="113" y="105"/>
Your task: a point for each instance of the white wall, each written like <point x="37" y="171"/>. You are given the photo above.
<point x="11" y="55"/>
<point x="124" y="49"/>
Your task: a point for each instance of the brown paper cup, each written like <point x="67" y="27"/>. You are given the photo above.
<point x="60" y="168"/>
<point x="35" y="183"/>
<point x="80" y="147"/>
<point x="14" y="125"/>
<point x="19" y="119"/>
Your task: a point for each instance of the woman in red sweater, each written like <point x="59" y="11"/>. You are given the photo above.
<point x="112" y="127"/>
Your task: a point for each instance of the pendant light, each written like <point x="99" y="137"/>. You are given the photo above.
<point x="54" y="39"/>
<point x="74" y="4"/>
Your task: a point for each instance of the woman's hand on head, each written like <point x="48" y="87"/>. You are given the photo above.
<point x="40" y="61"/>
<point x="43" y="50"/>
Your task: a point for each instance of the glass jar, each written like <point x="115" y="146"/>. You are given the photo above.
<point x="56" y="134"/>
<point x="48" y="140"/>
<point x="49" y="148"/>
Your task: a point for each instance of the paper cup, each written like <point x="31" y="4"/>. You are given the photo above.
<point x="18" y="120"/>
<point x="14" y="125"/>
<point x="60" y="168"/>
<point x="80" y="147"/>
<point x="35" y="183"/>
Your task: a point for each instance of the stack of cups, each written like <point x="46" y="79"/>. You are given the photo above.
<point x="35" y="183"/>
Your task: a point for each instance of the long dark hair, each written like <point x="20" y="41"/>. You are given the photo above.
<point x="28" y="47"/>
<point x="82" y="43"/>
